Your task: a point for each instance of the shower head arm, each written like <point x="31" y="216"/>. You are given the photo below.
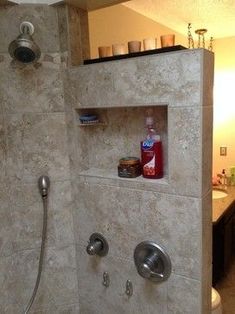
<point x="26" y="28"/>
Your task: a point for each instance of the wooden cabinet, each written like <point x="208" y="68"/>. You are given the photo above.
<point x="223" y="244"/>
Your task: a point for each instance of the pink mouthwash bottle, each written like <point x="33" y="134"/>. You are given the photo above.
<point x="151" y="151"/>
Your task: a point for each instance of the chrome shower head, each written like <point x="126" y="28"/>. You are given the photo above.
<point x="24" y="49"/>
<point x="44" y="184"/>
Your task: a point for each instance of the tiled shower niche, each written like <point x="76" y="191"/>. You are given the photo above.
<point x="118" y="135"/>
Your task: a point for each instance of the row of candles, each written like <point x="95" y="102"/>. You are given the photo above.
<point x="135" y="46"/>
<point x="151" y="43"/>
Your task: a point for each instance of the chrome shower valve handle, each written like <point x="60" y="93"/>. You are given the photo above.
<point x="152" y="262"/>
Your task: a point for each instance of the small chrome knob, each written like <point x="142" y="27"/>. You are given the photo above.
<point x="97" y="245"/>
<point x="94" y="247"/>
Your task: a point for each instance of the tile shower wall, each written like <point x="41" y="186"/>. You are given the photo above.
<point x="33" y="141"/>
<point x="38" y="135"/>
<point x="174" y="211"/>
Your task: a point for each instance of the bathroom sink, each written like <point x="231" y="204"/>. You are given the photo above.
<point x="216" y="194"/>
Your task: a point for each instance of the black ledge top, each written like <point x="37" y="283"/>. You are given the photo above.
<point x="135" y="54"/>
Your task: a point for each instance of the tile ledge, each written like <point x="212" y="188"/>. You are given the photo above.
<point x="111" y="174"/>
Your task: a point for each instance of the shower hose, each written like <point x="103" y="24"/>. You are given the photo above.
<point x="42" y="251"/>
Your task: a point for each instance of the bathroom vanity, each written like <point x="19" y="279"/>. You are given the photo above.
<point x="223" y="234"/>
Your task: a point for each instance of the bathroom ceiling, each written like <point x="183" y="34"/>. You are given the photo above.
<point x="84" y="4"/>
<point x="218" y="16"/>
<point x="93" y="4"/>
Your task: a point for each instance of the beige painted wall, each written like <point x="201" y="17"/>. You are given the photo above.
<point x="224" y="53"/>
<point x="224" y="104"/>
<point x="119" y="24"/>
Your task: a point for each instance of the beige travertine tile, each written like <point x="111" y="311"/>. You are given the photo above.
<point x="207" y="140"/>
<point x="185" y="149"/>
<point x="26" y="211"/>
<point x="11" y="309"/>
<point x="78" y="30"/>
<point x="147" y="298"/>
<point x="9" y="286"/>
<point x="206" y="214"/>
<point x="206" y="284"/>
<point x="58" y="284"/>
<point x="5" y="221"/>
<point x="62" y="27"/>
<point x="206" y="252"/>
<point x="172" y="78"/>
<point x="208" y="77"/>
<point x="183" y="295"/>
<point x="32" y="89"/>
<point x="62" y="205"/>
<point x="127" y="217"/>
<point x="27" y="215"/>
<point x="37" y="144"/>
<point x="2" y="147"/>
<point x="63" y="309"/>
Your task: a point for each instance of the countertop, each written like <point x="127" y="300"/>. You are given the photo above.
<point x="221" y="205"/>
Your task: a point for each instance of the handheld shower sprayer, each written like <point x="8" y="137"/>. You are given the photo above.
<point x="44" y="184"/>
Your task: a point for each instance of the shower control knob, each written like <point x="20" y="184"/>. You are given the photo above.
<point x="97" y="245"/>
<point x="94" y="247"/>
<point x="152" y="262"/>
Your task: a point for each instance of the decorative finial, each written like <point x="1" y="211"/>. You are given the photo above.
<point x="210" y="47"/>
<point x="190" y="37"/>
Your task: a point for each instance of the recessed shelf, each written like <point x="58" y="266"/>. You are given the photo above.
<point x="118" y="135"/>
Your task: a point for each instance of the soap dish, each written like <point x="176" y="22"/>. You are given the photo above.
<point x="88" y="119"/>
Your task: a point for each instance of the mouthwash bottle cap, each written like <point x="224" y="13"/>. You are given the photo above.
<point x="149" y="121"/>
